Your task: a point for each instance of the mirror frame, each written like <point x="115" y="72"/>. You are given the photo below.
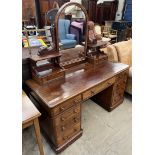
<point x="63" y="7"/>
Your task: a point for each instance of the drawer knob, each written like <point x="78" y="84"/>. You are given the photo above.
<point x="109" y="83"/>
<point x="75" y="130"/>
<point x="75" y="120"/>
<point x="62" y="118"/>
<point x="75" y="111"/>
<point x="63" y="128"/>
<point x="64" y="138"/>
<point x="75" y="101"/>
<point x="62" y="108"/>
<point x="92" y="92"/>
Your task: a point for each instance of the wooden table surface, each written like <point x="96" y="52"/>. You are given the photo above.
<point x="29" y="111"/>
<point x="75" y="82"/>
<point x="30" y="116"/>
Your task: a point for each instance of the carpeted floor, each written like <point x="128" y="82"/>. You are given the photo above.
<point x="104" y="133"/>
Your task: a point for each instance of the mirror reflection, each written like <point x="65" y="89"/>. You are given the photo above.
<point x="71" y="32"/>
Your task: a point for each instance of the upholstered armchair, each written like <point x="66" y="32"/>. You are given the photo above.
<point x="122" y="52"/>
<point x="67" y="40"/>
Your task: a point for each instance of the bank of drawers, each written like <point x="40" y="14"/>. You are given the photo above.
<point x="119" y="87"/>
<point x="91" y="92"/>
<point x="67" y="120"/>
<point x="67" y="116"/>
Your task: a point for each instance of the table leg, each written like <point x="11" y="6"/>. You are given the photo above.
<point x="38" y="136"/>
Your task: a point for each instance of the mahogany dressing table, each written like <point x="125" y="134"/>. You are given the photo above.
<point x="59" y="100"/>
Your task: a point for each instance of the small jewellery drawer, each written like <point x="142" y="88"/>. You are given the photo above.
<point x="64" y="137"/>
<point x="66" y="105"/>
<point x="91" y="92"/>
<point x="68" y="114"/>
<point x="64" y="127"/>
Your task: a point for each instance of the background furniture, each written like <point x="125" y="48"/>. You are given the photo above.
<point x="100" y="12"/>
<point x="98" y="30"/>
<point x="43" y="7"/>
<point x="30" y="116"/>
<point x="78" y="27"/>
<point x="91" y="7"/>
<point x="122" y="52"/>
<point x="127" y="11"/>
<point x="106" y="11"/>
<point x="66" y="39"/>
<point x="121" y="27"/>
<point x="28" y="10"/>
<point x="110" y="33"/>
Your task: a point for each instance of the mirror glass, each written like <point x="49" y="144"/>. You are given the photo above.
<point x="71" y="34"/>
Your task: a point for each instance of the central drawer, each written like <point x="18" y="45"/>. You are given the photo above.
<point x="66" y="105"/>
<point x="91" y="92"/>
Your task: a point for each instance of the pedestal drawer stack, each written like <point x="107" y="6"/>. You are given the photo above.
<point x="67" y="123"/>
<point x="119" y="87"/>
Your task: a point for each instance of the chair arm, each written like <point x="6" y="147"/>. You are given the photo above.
<point x="70" y="36"/>
<point x="112" y="53"/>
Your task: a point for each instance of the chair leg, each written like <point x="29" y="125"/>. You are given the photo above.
<point x="38" y="136"/>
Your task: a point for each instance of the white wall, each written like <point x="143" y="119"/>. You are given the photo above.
<point x="78" y="1"/>
<point x="101" y="1"/>
<point x="120" y="9"/>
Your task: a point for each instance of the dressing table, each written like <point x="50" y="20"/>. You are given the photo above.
<point x="59" y="100"/>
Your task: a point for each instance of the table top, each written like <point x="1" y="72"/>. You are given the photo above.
<point x="76" y="81"/>
<point x="29" y="111"/>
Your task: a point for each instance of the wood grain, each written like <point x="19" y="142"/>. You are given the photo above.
<point x="29" y="111"/>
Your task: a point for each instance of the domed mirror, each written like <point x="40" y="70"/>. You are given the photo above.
<point x="71" y="33"/>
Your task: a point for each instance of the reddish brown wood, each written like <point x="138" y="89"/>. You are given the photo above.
<point x="46" y="5"/>
<point x="115" y="92"/>
<point x="28" y="9"/>
<point x="59" y="101"/>
<point x="106" y="11"/>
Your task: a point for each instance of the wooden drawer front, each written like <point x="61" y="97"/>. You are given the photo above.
<point x="91" y="92"/>
<point x="64" y="137"/>
<point x="121" y="77"/>
<point x="65" y="116"/>
<point x="65" y="126"/>
<point x="121" y="81"/>
<point x="119" y="87"/>
<point x="66" y="105"/>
